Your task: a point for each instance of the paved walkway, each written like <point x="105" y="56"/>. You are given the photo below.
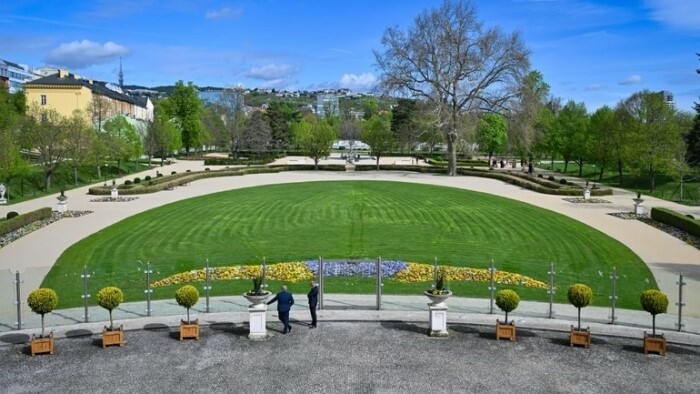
<point x="36" y="253"/>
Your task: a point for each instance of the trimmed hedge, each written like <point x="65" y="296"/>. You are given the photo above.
<point x="675" y="219"/>
<point x="20" y="221"/>
<point x="228" y="161"/>
<point x="534" y="183"/>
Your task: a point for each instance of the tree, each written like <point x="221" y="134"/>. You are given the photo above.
<point x="279" y="116"/>
<point x="692" y="138"/>
<point x="602" y="128"/>
<point x="314" y="138"/>
<point x="575" y="142"/>
<point x="376" y="133"/>
<point x="45" y="131"/>
<point x="525" y="136"/>
<point x="404" y="123"/>
<point x="123" y="141"/>
<point x="491" y="133"/>
<point x="81" y="142"/>
<point x="185" y="107"/>
<point x="213" y="125"/>
<point x="257" y="133"/>
<point x="234" y="118"/>
<point x="12" y="108"/>
<point x="350" y="130"/>
<point x="162" y="136"/>
<point x="655" y="136"/>
<point x="100" y="110"/>
<point x="450" y="60"/>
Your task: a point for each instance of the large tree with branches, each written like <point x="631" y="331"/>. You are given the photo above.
<point x="449" y="59"/>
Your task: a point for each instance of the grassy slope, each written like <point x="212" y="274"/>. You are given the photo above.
<point x="339" y="220"/>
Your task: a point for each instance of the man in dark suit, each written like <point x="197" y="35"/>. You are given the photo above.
<point x="313" y="302"/>
<point x="284" y="304"/>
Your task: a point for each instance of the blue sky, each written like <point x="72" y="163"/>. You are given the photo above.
<point x="598" y="52"/>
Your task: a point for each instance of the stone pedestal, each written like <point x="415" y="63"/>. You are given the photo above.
<point x="438" y="320"/>
<point x="115" y="192"/>
<point x="257" y="322"/>
<point x="3" y="200"/>
<point x="349" y="167"/>
<point x="586" y="194"/>
<point x="638" y="208"/>
<point x="62" y="206"/>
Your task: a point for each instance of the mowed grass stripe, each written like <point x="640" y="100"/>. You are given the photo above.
<point x="350" y="219"/>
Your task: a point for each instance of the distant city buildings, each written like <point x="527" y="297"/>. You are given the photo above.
<point x="14" y="75"/>
<point x="327" y="105"/>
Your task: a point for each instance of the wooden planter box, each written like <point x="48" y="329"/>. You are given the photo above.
<point x="42" y="345"/>
<point x="189" y="329"/>
<point x="505" y="331"/>
<point x="655" y="344"/>
<point x="580" y="337"/>
<point x="113" y="337"/>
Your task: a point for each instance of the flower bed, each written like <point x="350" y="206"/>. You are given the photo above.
<point x="113" y="199"/>
<point x="400" y="271"/>
<point x="581" y="200"/>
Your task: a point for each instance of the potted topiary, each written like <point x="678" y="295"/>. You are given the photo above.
<point x="110" y="298"/>
<point x="187" y="296"/>
<point x="654" y="302"/>
<point x="439" y="293"/>
<point x="257" y="296"/>
<point x="580" y="296"/>
<point x="42" y="301"/>
<point x="507" y="300"/>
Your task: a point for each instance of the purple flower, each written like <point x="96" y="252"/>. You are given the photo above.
<point x="367" y="269"/>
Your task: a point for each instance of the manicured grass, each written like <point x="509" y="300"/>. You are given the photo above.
<point x="350" y="220"/>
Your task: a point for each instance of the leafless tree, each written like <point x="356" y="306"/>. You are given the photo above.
<point x="234" y="117"/>
<point x="450" y="60"/>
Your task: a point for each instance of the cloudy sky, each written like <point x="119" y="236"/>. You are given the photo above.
<point x="593" y="51"/>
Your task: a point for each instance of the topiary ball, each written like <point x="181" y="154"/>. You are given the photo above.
<point x="11" y="214"/>
<point x="579" y="295"/>
<point x="187" y="296"/>
<point x="137" y="180"/>
<point x="562" y="181"/>
<point x="42" y="301"/>
<point x="110" y="297"/>
<point x="654" y="301"/>
<point x="507" y="300"/>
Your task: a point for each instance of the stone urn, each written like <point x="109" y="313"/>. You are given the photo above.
<point x="438" y="299"/>
<point x="257" y="301"/>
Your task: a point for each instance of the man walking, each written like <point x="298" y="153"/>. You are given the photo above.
<point x="284" y="304"/>
<point x="313" y="302"/>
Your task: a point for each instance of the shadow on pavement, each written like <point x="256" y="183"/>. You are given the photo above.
<point x="78" y="333"/>
<point x="403" y="326"/>
<point x="15" y="339"/>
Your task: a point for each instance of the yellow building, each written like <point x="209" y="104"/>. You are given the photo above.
<point x="66" y="92"/>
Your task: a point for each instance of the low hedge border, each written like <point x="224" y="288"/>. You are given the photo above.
<point x="534" y="184"/>
<point x="17" y="222"/>
<point x="227" y="161"/>
<point x="675" y="219"/>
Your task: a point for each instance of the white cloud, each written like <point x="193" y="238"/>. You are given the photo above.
<point x="85" y="53"/>
<point x="631" y="80"/>
<point x="362" y="82"/>
<point x="683" y="14"/>
<point x="224" y="13"/>
<point x="280" y="84"/>
<point x="272" y="72"/>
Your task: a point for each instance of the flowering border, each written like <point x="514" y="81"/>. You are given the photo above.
<point x="402" y="272"/>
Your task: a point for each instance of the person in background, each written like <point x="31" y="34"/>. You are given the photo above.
<point x="313" y="302"/>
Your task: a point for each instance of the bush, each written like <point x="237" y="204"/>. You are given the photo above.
<point x="160" y="174"/>
<point x="127" y="182"/>
<point x="110" y="298"/>
<point x="507" y="300"/>
<point x="654" y="302"/>
<point x="147" y="178"/>
<point x="540" y="176"/>
<point x="137" y="180"/>
<point x="675" y="219"/>
<point x="11" y="214"/>
<point x="173" y="173"/>
<point x="551" y="178"/>
<point x="188" y="171"/>
<point x="42" y="301"/>
<point x="206" y="169"/>
<point x="562" y="181"/>
<point x="20" y="221"/>
<point x="580" y="296"/>
<point x="187" y="296"/>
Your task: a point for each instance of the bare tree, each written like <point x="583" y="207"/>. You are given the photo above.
<point x="257" y="134"/>
<point x="350" y="130"/>
<point x="234" y="117"/>
<point x="450" y="60"/>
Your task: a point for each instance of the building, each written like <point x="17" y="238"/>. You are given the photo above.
<point x="668" y="98"/>
<point x="14" y="75"/>
<point x="66" y="92"/>
<point x="327" y="105"/>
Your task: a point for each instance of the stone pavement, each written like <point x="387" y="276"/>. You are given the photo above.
<point x="665" y="255"/>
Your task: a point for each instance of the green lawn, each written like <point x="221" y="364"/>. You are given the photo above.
<point x="339" y="220"/>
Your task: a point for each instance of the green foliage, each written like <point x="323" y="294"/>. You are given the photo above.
<point x="122" y="140"/>
<point x="137" y="180"/>
<point x="20" y="221"/>
<point x="579" y="295"/>
<point x="185" y="107"/>
<point x="654" y="301"/>
<point x="11" y="214"/>
<point x="562" y="181"/>
<point x="187" y="296"/>
<point x="507" y="300"/>
<point x="110" y="297"/>
<point x="491" y="133"/>
<point x="280" y="115"/>
<point x="314" y="138"/>
<point x="675" y="219"/>
<point x="377" y="134"/>
<point x="257" y="287"/>
<point x="42" y="301"/>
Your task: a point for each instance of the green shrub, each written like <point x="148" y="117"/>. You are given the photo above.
<point x="540" y="176"/>
<point x="580" y="296"/>
<point x="42" y="301"/>
<point x="563" y="181"/>
<point x="187" y="296"/>
<point x="507" y="300"/>
<point x="675" y="219"/>
<point x="552" y="178"/>
<point x="11" y="214"/>
<point x="173" y="172"/>
<point x="206" y="169"/>
<point x="137" y="180"/>
<point x="654" y="302"/>
<point x="147" y="178"/>
<point x="159" y="175"/>
<point x="188" y="171"/>
<point x="20" y="221"/>
<point x="127" y="182"/>
<point x="110" y="298"/>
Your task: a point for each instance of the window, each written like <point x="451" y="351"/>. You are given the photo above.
<point x="43" y="99"/>
<point x="44" y="118"/>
